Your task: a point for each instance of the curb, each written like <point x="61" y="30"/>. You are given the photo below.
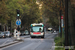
<point x="8" y="44"/>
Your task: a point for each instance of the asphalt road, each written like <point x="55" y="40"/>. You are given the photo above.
<point x="34" y="43"/>
<point x="5" y="40"/>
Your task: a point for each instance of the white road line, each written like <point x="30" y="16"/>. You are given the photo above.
<point x="26" y="46"/>
<point x="5" y="42"/>
<point x="53" y="46"/>
<point x="55" y="33"/>
<point x="31" y="46"/>
<point x="11" y="45"/>
<point x="36" y="46"/>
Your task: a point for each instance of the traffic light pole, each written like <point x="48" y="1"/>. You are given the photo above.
<point x="18" y="22"/>
<point x="60" y="25"/>
<point x="18" y="12"/>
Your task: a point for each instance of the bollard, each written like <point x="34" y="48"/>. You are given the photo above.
<point x="18" y="35"/>
<point x="15" y="33"/>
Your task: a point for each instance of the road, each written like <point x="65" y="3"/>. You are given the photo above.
<point x="5" y="40"/>
<point x="34" y="43"/>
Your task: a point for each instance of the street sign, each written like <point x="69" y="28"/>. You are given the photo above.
<point x="61" y="21"/>
<point x="18" y="22"/>
<point x="61" y="17"/>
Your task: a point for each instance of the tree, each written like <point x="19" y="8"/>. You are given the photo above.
<point x="51" y="10"/>
<point x="30" y="15"/>
<point x="3" y="14"/>
<point x="27" y="12"/>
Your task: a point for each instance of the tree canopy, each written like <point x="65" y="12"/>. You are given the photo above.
<point x="29" y="12"/>
<point x="50" y="10"/>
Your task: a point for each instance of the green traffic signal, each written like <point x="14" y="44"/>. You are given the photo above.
<point x="17" y="14"/>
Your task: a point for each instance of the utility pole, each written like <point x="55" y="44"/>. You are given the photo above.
<point x="60" y="19"/>
<point x="66" y="25"/>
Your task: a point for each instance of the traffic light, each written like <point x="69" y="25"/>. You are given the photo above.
<point x="18" y="12"/>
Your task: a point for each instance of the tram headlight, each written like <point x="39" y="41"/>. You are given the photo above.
<point x="42" y="33"/>
<point x="31" y="33"/>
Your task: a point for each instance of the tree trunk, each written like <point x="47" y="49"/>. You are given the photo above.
<point x="4" y="28"/>
<point x="70" y="26"/>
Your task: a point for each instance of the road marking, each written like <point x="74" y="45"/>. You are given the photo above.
<point x="31" y="46"/>
<point x="10" y="46"/>
<point x="55" y="33"/>
<point x="53" y="48"/>
<point x="26" y="46"/>
<point x="5" y="42"/>
<point x="36" y="45"/>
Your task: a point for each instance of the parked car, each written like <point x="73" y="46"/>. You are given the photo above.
<point x="7" y="33"/>
<point x="2" y="35"/>
<point x="26" y="32"/>
<point x="54" y="31"/>
<point x="22" y="33"/>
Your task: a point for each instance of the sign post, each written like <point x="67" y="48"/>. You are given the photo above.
<point x="61" y="21"/>
<point x="18" y="23"/>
